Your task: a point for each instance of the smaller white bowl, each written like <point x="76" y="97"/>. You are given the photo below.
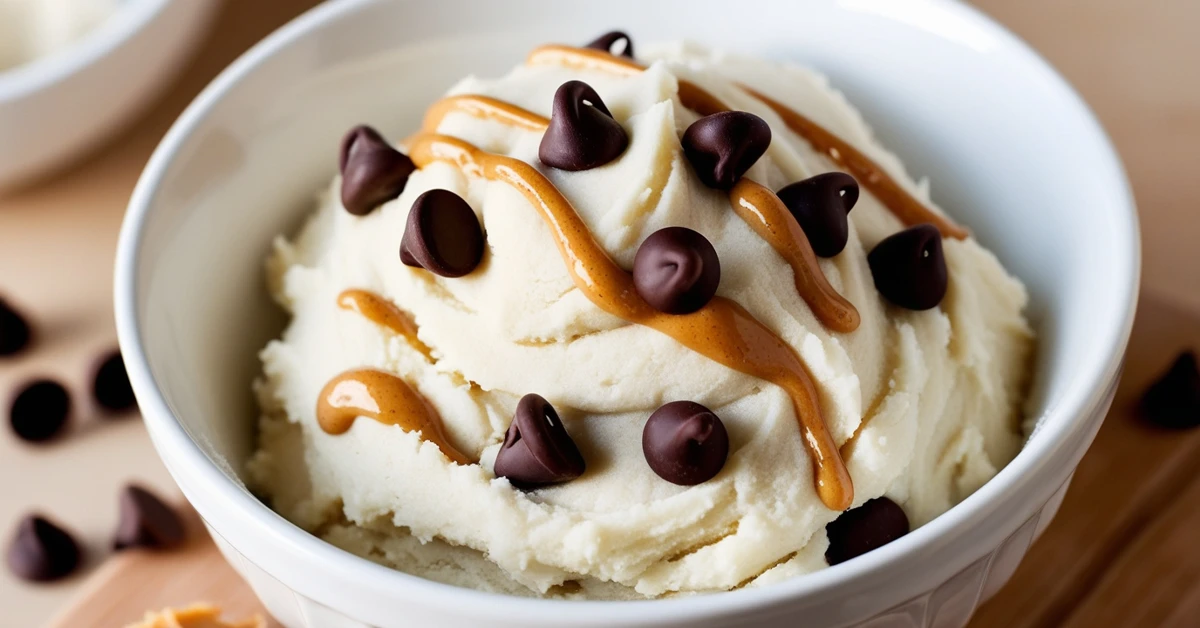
<point x="54" y="108"/>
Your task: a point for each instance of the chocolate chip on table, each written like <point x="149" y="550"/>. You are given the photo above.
<point x="145" y="521"/>
<point x="373" y="172"/>
<point x="14" y="330"/>
<point x="582" y="134"/>
<point x="821" y="204"/>
<point x="855" y="532"/>
<point x="676" y="270"/>
<point x="110" y="385"/>
<point x="605" y="42"/>
<point x="723" y="146"/>
<point x="39" y="411"/>
<point x="443" y="235"/>
<point x="41" y="551"/>
<point x="537" y="449"/>
<point x="685" y="443"/>
<point x="1174" y="399"/>
<point x="909" y="268"/>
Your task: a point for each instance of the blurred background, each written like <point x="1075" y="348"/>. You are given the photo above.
<point x="1120" y="553"/>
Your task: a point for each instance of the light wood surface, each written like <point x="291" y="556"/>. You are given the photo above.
<point x="134" y="582"/>
<point x="1120" y="552"/>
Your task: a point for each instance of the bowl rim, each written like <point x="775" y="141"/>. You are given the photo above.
<point x="129" y="18"/>
<point x="1080" y="408"/>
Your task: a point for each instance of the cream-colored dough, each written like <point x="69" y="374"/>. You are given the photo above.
<point x="939" y="391"/>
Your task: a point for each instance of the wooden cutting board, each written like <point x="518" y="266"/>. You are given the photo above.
<point x="1120" y="553"/>
<point x="128" y="585"/>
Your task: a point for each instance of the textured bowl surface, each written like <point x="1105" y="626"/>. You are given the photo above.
<point x="1012" y="152"/>
<point x="54" y="108"/>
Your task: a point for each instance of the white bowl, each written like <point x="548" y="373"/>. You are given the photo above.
<point x="1012" y="150"/>
<point x="54" y="108"/>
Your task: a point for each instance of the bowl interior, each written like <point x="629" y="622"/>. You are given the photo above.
<point x="1010" y="150"/>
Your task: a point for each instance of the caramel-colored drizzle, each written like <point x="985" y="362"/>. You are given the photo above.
<point x="386" y="398"/>
<point x="903" y="205"/>
<point x="771" y="220"/>
<point x="871" y="175"/>
<point x="384" y="313"/>
<point x="755" y="204"/>
<point x="722" y="330"/>
<point x="483" y="107"/>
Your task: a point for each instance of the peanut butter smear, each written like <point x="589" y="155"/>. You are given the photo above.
<point x="722" y="330"/>
<point x="195" y="616"/>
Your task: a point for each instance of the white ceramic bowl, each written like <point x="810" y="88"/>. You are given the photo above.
<point x="1012" y="150"/>
<point x="56" y="107"/>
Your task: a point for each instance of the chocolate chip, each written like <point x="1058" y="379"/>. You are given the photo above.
<point x="442" y="235"/>
<point x="685" y="443"/>
<point x="14" y="330"/>
<point x="1174" y="399"/>
<point x="582" y="134"/>
<point x="676" y="270"/>
<point x="146" y="521"/>
<point x="605" y="42"/>
<point x="537" y="449"/>
<point x="723" y="146"/>
<point x="373" y="172"/>
<point x="910" y="269"/>
<point x="40" y="411"/>
<point x="110" y="385"/>
<point x="42" y="551"/>
<point x="820" y="204"/>
<point x="870" y="526"/>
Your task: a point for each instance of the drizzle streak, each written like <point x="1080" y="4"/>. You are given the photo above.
<point x="771" y="220"/>
<point x="483" y="107"/>
<point x="384" y="313"/>
<point x="722" y="331"/>
<point x="903" y="205"/>
<point x="386" y="398"/>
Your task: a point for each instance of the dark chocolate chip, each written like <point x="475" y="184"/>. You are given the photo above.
<point x="442" y="235"/>
<point x="870" y="526"/>
<point x="605" y="42"/>
<point x="676" y="270"/>
<point x="14" y="330"/>
<point x="1174" y="399"/>
<point x="373" y="172"/>
<point x="685" y="443"/>
<point x="537" y="449"/>
<point x="723" y="146"/>
<point x="146" y="521"/>
<point x="820" y="204"/>
<point x="40" y="411"/>
<point x="910" y="269"/>
<point x="582" y="134"/>
<point x="42" y="551"/>
<point x="110" y="385"/>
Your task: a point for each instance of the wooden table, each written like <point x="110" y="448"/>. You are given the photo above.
<point x="1120" y="553"/>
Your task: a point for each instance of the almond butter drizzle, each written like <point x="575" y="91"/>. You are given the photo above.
<point x="903" y="205"/>
<point x="384" y="313"/>
<point x="385" y="398"/>
<point x="771" y="220"/>
<point x="755" y="204"/>
<point x="722" y="331"/>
